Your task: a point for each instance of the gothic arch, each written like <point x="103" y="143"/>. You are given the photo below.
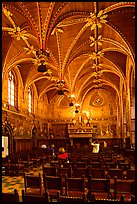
<point x="7" y="131"/>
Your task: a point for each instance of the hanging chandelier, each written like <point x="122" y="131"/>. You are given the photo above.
<point x="71" y="104"/>
<point x="60" y="85"/>
<point x="77" y="105"/>
<point x="41" y="56"/>
<point x="72" y="100"/>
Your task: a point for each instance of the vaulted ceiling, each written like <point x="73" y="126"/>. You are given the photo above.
<point x="88" y="44"/>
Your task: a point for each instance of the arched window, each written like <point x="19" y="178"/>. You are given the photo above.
<point x="12" y="89"/>
<point x="30" y="101"/>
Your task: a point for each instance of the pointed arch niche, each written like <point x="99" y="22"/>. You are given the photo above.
<point x="132" y="108"/>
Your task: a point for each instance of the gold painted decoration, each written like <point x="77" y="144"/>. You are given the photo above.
<point x="8" y="14"/>
<point x="97" y="55"/>
<point x="93" y="40"/>
<point x="57" y="29"/>
<point x="51" y="78"/>
<point x="96" y="81"/>
<point x="96" y="100"/>
<point x="96" y="20"/>
<point x="96" y="66"/>
<point x="99" y="73"/>
<point x="30" y="50"/>
<point x="49" y="72"/>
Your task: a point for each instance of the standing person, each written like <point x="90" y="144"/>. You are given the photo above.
<point x="43" y="146"/>
<point x="44" y="149"/>
<point x="52" y="151"/>
<point x="34" y="136"/>
<point x="3" y="155"/>
<point x="105" y="144"/>
<point x="95" y="145"/>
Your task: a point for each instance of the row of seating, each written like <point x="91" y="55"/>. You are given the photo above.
<point x="19" y="162"/>
<point x="27" y="160"/>
<point x="76" y="186"/>
<point x="97" y="189"/>
<point x="78" y="169"/>
<point x="106" y="156"/>
<point x="98" y="164"/>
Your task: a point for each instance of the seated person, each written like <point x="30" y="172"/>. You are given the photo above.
<point x="62" y="154"/>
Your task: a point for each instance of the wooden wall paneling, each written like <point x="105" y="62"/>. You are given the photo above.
<point x="22" y="145"/>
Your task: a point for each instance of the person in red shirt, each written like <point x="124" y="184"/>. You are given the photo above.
<point x="62" y="154"/>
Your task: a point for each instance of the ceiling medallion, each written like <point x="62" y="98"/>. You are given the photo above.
<point x="96" y="100"/>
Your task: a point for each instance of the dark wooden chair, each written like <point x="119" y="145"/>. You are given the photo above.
<point x="67" y="164"/>
<point x="74" y="158"/>
<point x="100" y="187"/>
<point x="130" y="174"/>
<point x="95" y="164"/>
<point x="63" y="171"/>
<point x="55" y="163"/>
<point x="75" y="187"/>
<point x="120" y="160"/>
<point x="33" y="184"/>
<point x="111" y="165"/>
<point x="5" y="165"/>
<point x="34" y="158"/>
<point x="93" y="199"/>
<point x="112" y="172"/>
<point x="95" y="158"/>
<point x="85" y="158"/>
<point x="35" y="198"/>
<point x="52" y="185"/>
<point x="107" y="159"/>
<point x="79" y="172"/>
<point x="64" y="199"/>
<point x="26" y="161"/>
<point x="10" y="197"/>
<point x="125" y="188"/>
<point x="98" y="172"/>
<point x="80" y="164"/>
<point x="49" y="171"/>
<point x="41" y="156"/>
<point x="124" y="166"/>
<point x="15" y="166"/>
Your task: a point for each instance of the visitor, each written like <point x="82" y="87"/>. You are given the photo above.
<point x="43" y="146"/>
<point x="105" y="144"/>
<point x="62" y="154"/>
<point x="95" y="146"/>
<point x="3" y="155"/>
<point x="44" y="149"/>
<point x="52" y="150"/>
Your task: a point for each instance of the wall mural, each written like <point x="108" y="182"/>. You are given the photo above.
<point x="22" y="126"/>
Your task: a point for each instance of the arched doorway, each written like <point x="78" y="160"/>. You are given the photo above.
<point x="7" y="139"/>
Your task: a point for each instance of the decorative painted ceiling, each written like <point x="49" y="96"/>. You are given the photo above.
<point x="85" y="46"/>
